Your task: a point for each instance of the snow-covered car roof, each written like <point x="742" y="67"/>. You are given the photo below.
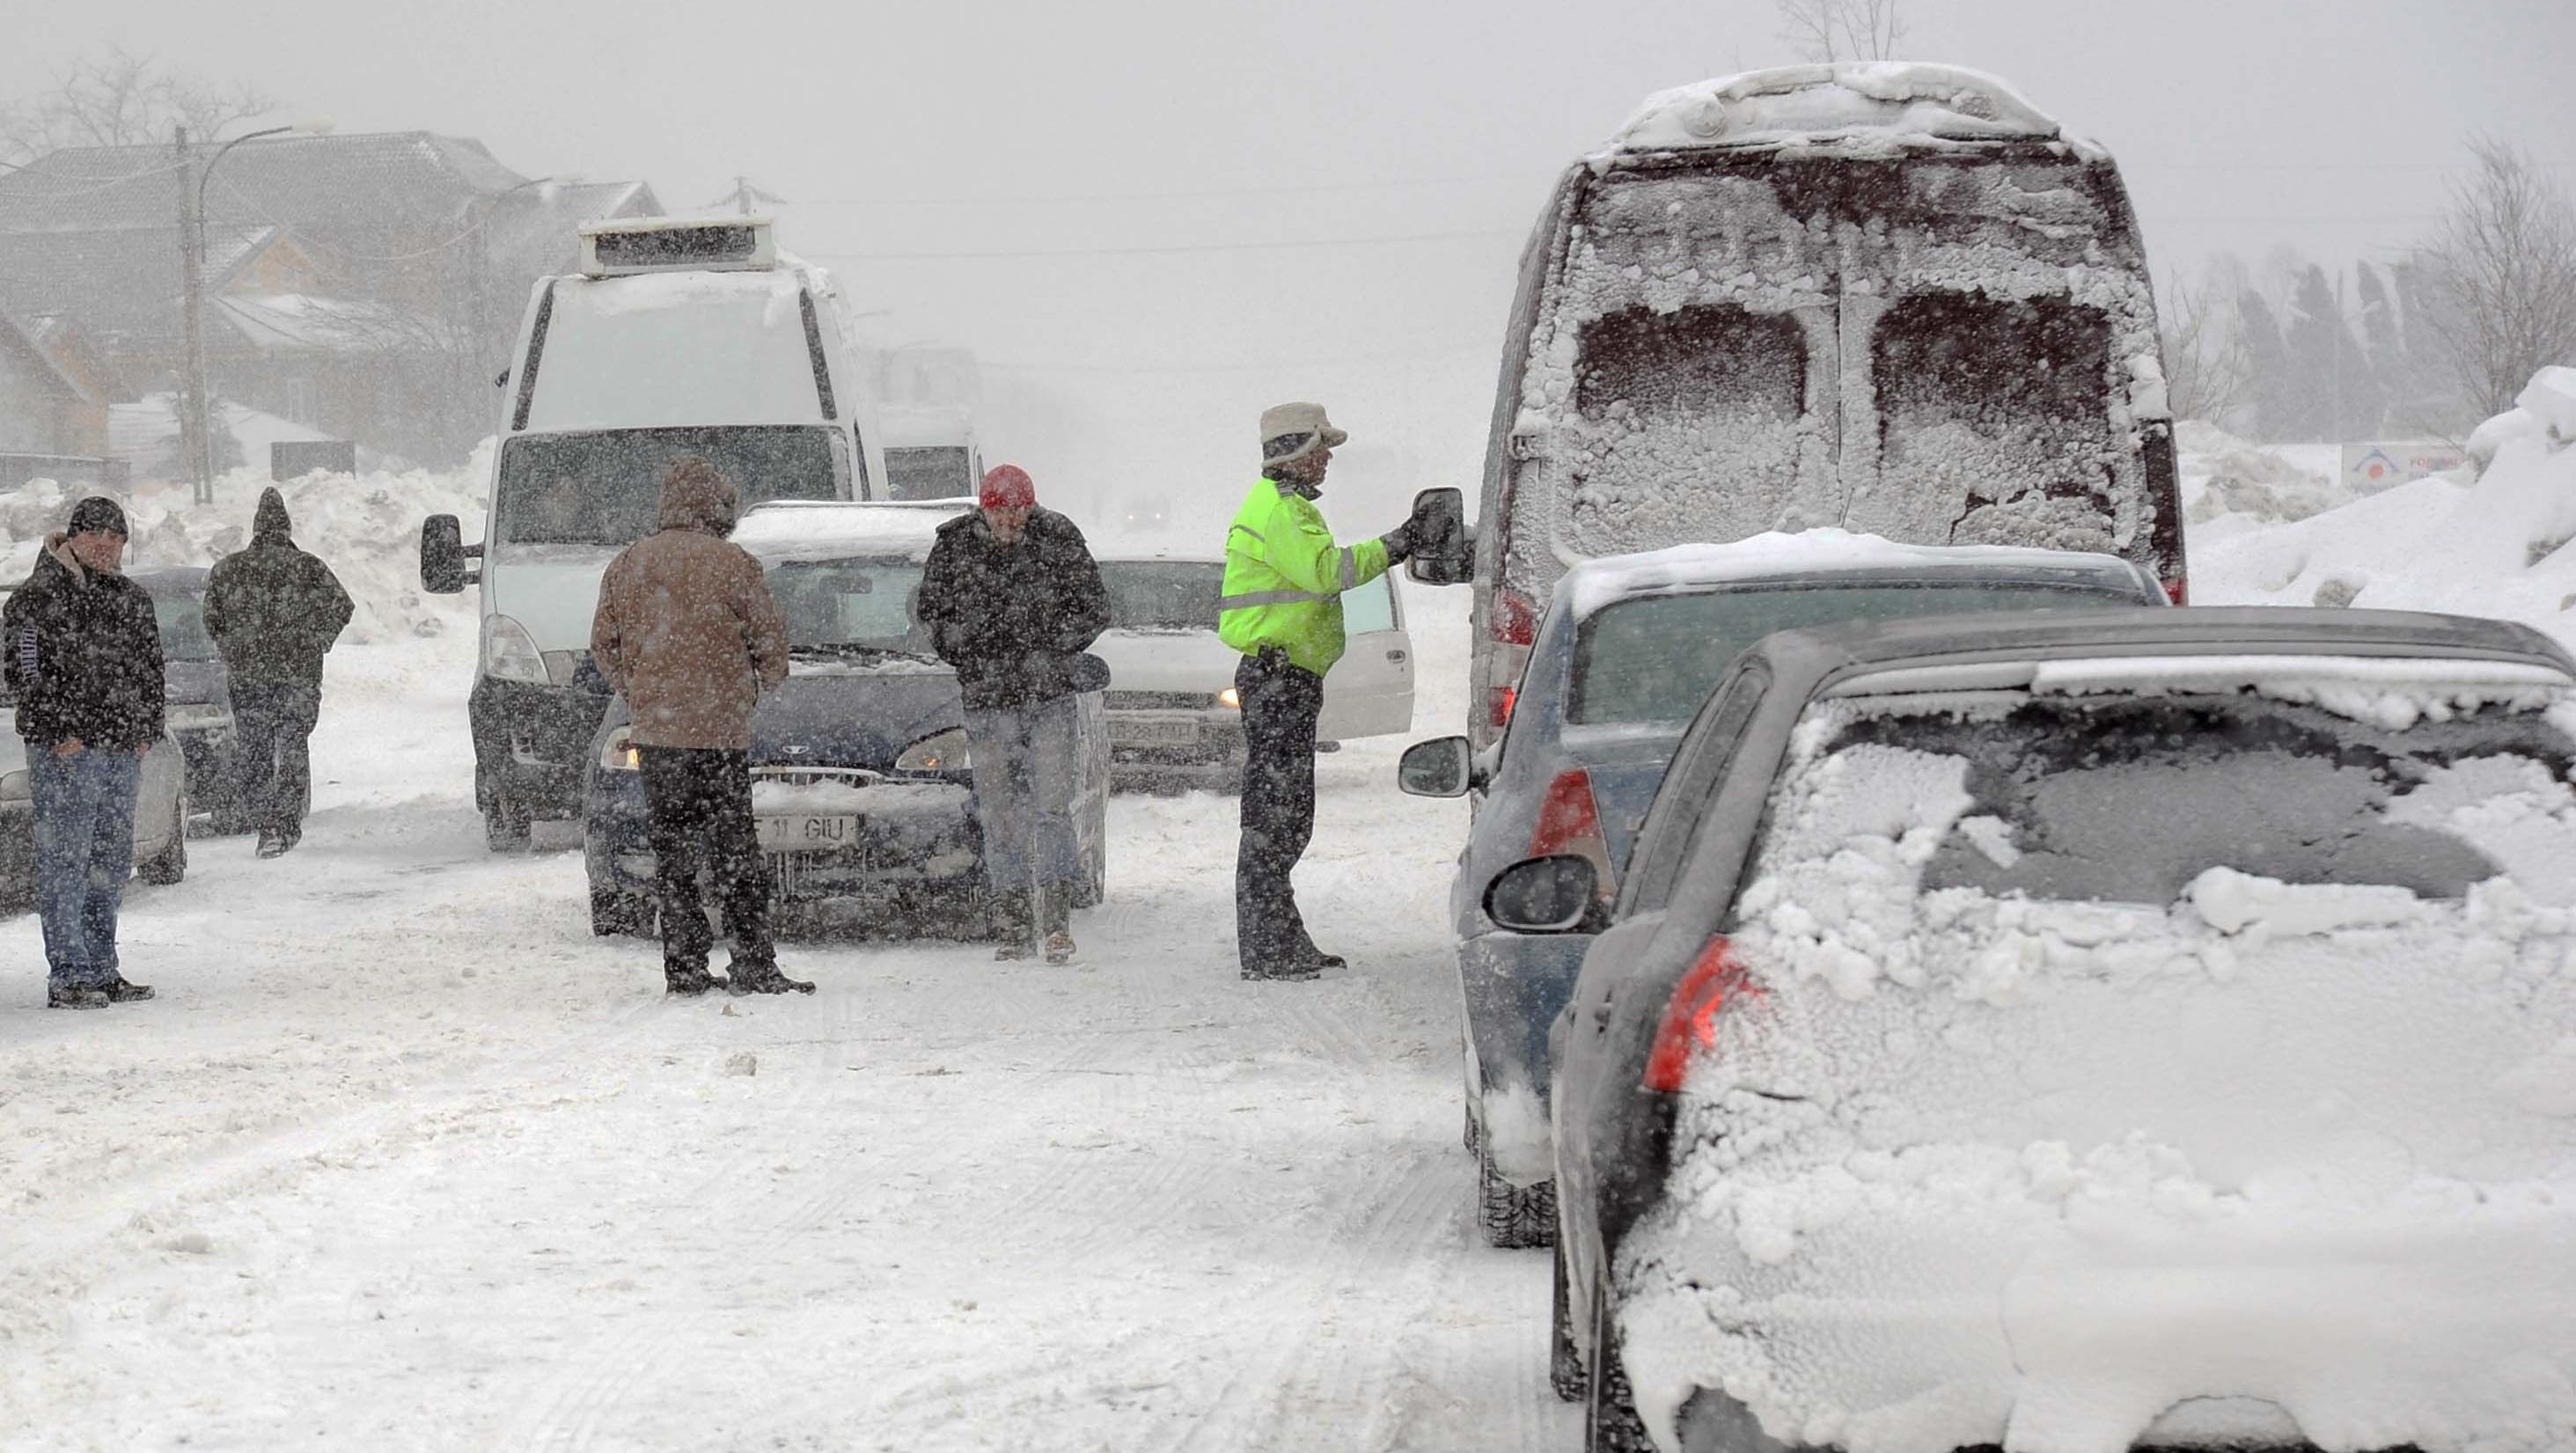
<point x="1877" y="108"/>
<point x="1777" y="555"/>
<point x="841" y="529"/>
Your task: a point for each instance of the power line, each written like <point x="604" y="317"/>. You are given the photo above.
<point x="1184" y="195"/>
<point x="1357" y="360"/>
<point x="1304" y="244"/>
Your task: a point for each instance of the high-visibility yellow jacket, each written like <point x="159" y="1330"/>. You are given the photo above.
<point x="1284" y="578"/>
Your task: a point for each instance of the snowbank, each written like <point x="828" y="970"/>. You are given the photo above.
<point x="366" y="527"/>
<point x="2491" y="548"/>
<point x="2224" y="475"/>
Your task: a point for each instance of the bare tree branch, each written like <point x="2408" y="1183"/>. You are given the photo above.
<point x="117" y="98"/>
<point x="1835" y="30"/>
<point x="2501" y="276"/>
<point x="2209" y="371"/>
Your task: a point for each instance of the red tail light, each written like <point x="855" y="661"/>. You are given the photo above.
<point x="1499" y="703"/>
<point x="2178" y="590"/>
<point x="1689" y="1025"/>
<point x="1514" y="620"/>
<point x="1569" y="822"/>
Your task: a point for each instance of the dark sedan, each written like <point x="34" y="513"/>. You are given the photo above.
<point x="861" y="784"/>
<point x="1939" y="927"/>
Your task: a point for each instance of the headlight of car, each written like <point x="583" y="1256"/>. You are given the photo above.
<point x="946" y="752"/>
<point x="509" y="653"/>
<point x="1230" y="698"/>
<point x="197" y="716"/>
<point x="618" y="754"/>
<point x="13" y="786"/>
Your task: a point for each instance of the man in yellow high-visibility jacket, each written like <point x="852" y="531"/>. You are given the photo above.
<point x="1282" y="608"/>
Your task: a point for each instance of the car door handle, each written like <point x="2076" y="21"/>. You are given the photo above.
<point x="1396" y="656"/>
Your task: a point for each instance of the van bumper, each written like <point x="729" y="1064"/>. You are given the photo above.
<point x="531" y="744"/>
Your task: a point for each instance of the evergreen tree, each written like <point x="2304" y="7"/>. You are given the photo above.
<point x="2268" y="364"/>
<point x="2332" y="391"/>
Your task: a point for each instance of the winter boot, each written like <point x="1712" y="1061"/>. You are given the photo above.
<point x="271" y="843"/>
<point x="1014" y="927"/>
<point x="689" y="983"/>
<point x="763" y="979"/>
<point x="64" y="996"/>
<point x="1055" y="922"/>
<point x="121" y="992"/>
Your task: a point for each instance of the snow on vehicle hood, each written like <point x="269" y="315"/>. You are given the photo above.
<point x="1977" y="1168"/>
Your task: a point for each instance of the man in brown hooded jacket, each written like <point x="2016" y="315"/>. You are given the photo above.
<point x="688" y="631"/>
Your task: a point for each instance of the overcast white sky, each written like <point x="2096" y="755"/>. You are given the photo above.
<point x="899" y="130"/>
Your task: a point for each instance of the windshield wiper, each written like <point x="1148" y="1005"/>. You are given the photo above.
<point x="858" y="650"/>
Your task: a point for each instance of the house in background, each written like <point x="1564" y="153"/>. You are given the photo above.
<point x="362" y="286"/>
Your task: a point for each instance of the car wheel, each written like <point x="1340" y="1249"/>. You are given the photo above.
<point x="1610" y="1421"/>
<point x="1564" y="1359"/>
<point x="1514" y="1217"/>
<point x="171" y="863"/>
<point x="505" y="826"/>
<point x="613" y="913"/>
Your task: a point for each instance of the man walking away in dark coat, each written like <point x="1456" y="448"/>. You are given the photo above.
<point x="274" y="611"/>
<point x="688" y="630"/>
<point x="84" y="661"/>
<point x="1012" y="598"/>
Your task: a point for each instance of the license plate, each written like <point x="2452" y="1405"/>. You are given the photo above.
<point x="801" y="832"/>
<point x="1184" y="732"/>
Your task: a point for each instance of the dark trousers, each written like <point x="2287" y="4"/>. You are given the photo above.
<point x="1280" y="705"/>
<point x="697" y="811"/>
<point x="272" y="722"/>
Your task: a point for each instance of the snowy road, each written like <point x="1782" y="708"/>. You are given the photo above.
<point x="403" y="1158"/>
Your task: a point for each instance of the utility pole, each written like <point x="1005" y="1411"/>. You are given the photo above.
<point x="194" y="443"/>
<point x="745" y="197"/>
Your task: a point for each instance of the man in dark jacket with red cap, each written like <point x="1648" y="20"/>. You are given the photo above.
<point x="1012" y="598"/>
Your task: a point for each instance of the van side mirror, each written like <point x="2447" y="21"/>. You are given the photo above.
<point x="1442" y="767"/>
<point x="1544" y="895"/>
<point x="1444" y="549"/>
<point x="443" y="553"/>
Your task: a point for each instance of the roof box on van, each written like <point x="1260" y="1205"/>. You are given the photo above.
<point x="677" y="244"/>
<point x="1890" y="105"/>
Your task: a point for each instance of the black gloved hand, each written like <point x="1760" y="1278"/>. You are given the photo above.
<point x="1399" y="543"/>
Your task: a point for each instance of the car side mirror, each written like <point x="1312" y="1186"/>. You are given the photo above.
<point x="1442" y="767"/>
<point x="443" y="553"/>
<point x="1444" y="549"/>
<point x="1544" y="895"/>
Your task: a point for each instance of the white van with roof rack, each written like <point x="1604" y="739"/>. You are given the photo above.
<point x="678" y="336"/>
<point x="1889" y="298"/>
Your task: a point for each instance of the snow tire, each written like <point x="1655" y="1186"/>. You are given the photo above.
<point x="629" y="914"/>
<point x="170" y="864"/>
<point x="1514" y="1217"/>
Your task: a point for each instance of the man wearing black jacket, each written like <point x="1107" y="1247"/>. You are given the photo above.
<point x="84" y="660"/>
<point x="274" y="611"/>
<point x="1012" y="598"/>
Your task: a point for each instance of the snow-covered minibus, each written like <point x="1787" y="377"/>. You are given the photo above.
<point x="1892" y="298"/>
<point x="677" y="336"/>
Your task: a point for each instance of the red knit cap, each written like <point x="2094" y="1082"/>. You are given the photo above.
<point x="1007" y="487"/>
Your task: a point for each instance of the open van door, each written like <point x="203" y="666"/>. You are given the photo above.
<point x="1369" y="692"/>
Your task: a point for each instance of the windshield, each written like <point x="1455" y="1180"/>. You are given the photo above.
<point x="2128" y="799"/>
<point x="940" y="471"/>
<point x="1655" y="658"/>
<point x="1162" y="595"/>
<point x="841" y="604"/>
<point x="604" y="488"/>
<point x="182" y="617"/>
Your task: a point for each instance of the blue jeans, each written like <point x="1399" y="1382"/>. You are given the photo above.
<point x="84" y="853"/>
<point x="1025" y="778"/>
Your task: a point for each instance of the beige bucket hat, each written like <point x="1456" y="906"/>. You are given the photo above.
<point x="1293" y="431"/>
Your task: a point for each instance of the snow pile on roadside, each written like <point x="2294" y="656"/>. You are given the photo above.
<point x="2224" y="475"/>
<point x="366" y="527"/>
<point x="2491" y="548"/>
<point x="2295" y="1161"/>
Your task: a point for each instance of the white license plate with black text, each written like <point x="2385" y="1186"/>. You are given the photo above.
<point x="808" y="832"/>
<point x="1182" y="733"/>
